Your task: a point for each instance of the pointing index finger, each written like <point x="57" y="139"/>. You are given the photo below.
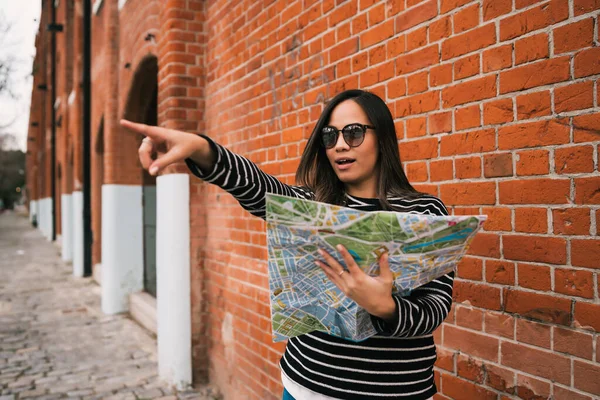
<point x="152" y="132"/>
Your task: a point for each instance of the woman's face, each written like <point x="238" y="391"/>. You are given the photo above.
<point x="356" y="167"/>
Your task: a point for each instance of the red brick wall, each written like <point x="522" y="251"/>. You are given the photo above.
<point x="497" y="113"/>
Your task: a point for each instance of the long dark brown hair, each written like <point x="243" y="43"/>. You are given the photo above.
<point x="315" y="171"/>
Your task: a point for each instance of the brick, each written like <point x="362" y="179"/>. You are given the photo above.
<point x="461" y="389"/>
<point x="377" y="74"/>
<point x="585" y="6"/>
<point x="470" y="268"/>
<point x="572" y="160"/>
<point x="417" y="60"/>
<point x="533" y="19"/>
<point x="445" y="359"/>
<point x="586" y="377"/>
<point x="500" y="272"/>
<point x="495" y="8"/>
<point x="498" y="112"/>
<point x="440" y="122"/>
<point x="416" y="39"/>
<point x="534" y="333"/>
<point x="448" y="5"/>
<point x="440" y="29"/>
<point x="533" y="162"/>
<point x="440" y="75"/>
<point x="441" y="170"/>
<point x="418" y="82"/>
<point x="587" y="316"/>
<point x="469" y="193"/>
<point x="536" y="362"/>
<point x="498" y="219"/>
<point x="467" y="317"/>
<point x="562" y="393"/>
<point x="466" y="67"/>
<point x="535" y="191"/>
<point x="587" y="190"/>
<point x="598" y="225"/>
<point x="498" y="165"/>
<point x="343" y="49"/>
<point x="467" y="167"/>
<point x="467" y="117"/>
<point x="468" y="142"/>
<point x="377" y="34"/>
<point x="475" y="344"/>
<point x="571" y="221"/>
<point x="587" y="62"/>
<point x="416" y="15"/>
<point x="536" y="74"/>
<point x="465" y="19"/>
<point x="470" y="368"/>
<point x="531" y="388"/>
<point x="500" y="324"/>
<point x="416" y="172"/>
<point x="500" y="378"/>
<point x="417" y="104"/>
<point x="574" y="36"/>
<point x="396" y="87"/>
<point x="468" y="42"/>
<point x="469" y="91"/>
<point x="577" y="96"/>
<point x="585" y="253"/>
<point x="537" y="306"/>
<point x="574" y="282"/>
<point x="533" y="134"/>
<point x="497" y="58"/>
<point x="396" y="46"/>
<point x="573" y="342"/>
<point x="416" y="127"/>
<point x="535" y="277"/>
<point x="533" y="105"/>
<point x="544" y="249"/>
<point x="586" y="127"/>
<point x="531" y="220"/>
<point x="477" y="295"/>
<point x="420" y="149"/>
<point x="485" y="245"/>
<point x="531" y="48"/>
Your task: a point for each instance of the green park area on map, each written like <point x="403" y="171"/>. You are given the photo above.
<point x="421" y="248"/>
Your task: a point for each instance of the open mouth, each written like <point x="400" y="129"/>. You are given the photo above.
<point x="344" y="161"/>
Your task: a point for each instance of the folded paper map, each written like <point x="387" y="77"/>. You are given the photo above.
<point x="421" y="248"/>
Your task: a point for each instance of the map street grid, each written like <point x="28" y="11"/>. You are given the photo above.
<point x="421" y="248"/>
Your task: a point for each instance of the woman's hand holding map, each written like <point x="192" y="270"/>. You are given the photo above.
<point x="373" y="293"/>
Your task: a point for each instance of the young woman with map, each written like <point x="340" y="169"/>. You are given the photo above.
<point x="352" y="160"/>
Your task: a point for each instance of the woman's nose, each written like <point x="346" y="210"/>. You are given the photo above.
<point x="341" y="144"/>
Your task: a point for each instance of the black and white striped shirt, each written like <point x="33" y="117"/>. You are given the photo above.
<point x="395" y="364"/>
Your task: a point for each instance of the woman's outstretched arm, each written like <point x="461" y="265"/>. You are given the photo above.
<point x="212" y="163"/>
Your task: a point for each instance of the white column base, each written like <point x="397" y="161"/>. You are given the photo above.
<point x="77" y="210"/>
<point x="122" y="246"/>
<point x="67" y="227"/>
<point x="33" y="211"/>
<point x="173" y="280"/>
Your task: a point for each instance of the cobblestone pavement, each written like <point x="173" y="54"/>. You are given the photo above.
<point x="55" y="342"/>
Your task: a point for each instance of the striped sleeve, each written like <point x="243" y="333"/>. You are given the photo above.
<point x="243" y="179"/>
<point x="424" y="310"/>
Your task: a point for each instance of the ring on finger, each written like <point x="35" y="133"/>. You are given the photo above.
<point x="342" y="272"/>
<point x="147" y="140"/>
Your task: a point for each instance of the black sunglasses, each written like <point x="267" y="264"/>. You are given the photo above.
<point x="354" y="134"/>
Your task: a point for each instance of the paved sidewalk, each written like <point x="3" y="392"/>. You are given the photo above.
<point x="55" y="342"/>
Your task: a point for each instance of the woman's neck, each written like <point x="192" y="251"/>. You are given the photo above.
<point x="366" y="190"/>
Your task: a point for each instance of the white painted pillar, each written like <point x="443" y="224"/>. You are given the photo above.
<point x="173" y="320"/>
<point x="67" y="227"/>
<point x="122" y="246"/>
<point x="77" y="210"/>
<point x="33" y="211"/>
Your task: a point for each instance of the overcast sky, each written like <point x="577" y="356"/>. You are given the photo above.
<point x="19" y="44"/>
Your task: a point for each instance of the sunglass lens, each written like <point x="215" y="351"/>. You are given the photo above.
<point x="354" y="135"/>
<point x="329" y="137"/>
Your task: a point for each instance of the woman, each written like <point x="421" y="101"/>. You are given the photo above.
<point x="351" y="159"/>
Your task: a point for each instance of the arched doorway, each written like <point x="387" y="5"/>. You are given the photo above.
<point x="142" y="106"/>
